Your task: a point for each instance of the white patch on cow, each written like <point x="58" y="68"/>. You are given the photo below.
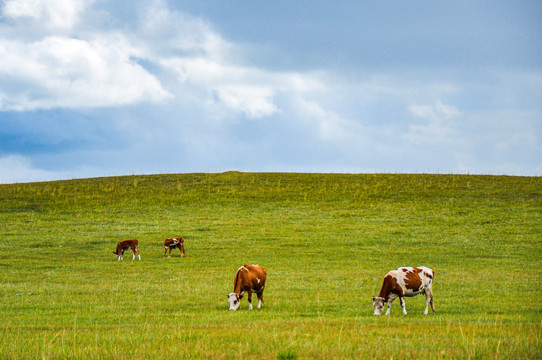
<point x="258" y="280"/>
<point x="402" y="300"/>
<point x="234" y="301"/>
<point x="249" y="306"/>
<point x="378" y="304"/>
<point x="259" y="304"/>
<point x="400" y="277"/>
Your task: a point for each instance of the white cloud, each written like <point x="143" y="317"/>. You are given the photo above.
<point x="102" y="69"/>
<point x="253" y="101"/>
<point x="330" y="125"/>
<point x="60" y="14"/>
<point x="239" y="88"/>
<point x="23" y="8"/>
<point x="165" y="32"/>
<point x="67" y="72"/>
<point x="52" y="63"/>
<point x="436" y="112"/>
<point x="438" y="129"/>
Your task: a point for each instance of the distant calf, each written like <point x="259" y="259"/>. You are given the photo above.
<point x="405" y="281"/>
<point x="127" y="245"/>
<point x="172" y="243"/>
<point x="249" y="278"/>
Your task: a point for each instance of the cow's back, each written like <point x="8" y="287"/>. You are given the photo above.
<point x="250" y="277"/>
<point x="127" y="244"/>
<point x="258" y="270"/>
<point x="421" y="277"/>
<point x="173" y="242"/>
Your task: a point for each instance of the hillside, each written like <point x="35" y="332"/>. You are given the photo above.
<point x="326" y="241"/>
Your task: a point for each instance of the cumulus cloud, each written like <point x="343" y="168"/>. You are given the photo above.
<point x="67" y="72"/>
<point x="233" y="86"/>
<point x="55" y="14"/>
<point x="250" y="91"/>
<point x="58" y="71"/>
<point x="165" y="33"/>
<point x="113" y="68"/>
<point x="253" y="101"/>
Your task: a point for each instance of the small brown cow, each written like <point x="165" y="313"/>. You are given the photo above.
<point x="127" y="245"/>
<point x="172" y="243"/>
<point x="249" y="278"/>
<point x="405" y="281"/>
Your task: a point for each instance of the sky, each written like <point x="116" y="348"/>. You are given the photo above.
<point x="92" y="88"/>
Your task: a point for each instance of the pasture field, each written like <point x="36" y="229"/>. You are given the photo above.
<point x="326" y="240"/>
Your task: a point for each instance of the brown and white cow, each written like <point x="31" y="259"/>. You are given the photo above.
<point x="172" y="243"/>
<point x="249" y="278"/>
<point x="127" y="245"/>
<point x="405" y="281"/>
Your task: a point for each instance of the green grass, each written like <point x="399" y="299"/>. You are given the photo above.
<point x="325" y="240"/>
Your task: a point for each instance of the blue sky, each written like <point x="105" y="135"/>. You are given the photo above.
<point x="94" y="88"/>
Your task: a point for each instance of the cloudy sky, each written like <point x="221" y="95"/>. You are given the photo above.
<point x="115" y="87"/>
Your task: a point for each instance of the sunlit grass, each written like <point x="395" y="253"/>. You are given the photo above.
<point x="326" y="241"/>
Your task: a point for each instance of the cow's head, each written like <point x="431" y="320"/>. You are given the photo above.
<point x="378" y="303"/>
<point x="234" y="301"/>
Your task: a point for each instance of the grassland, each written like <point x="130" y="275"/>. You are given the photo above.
<point x="326" y="241"/>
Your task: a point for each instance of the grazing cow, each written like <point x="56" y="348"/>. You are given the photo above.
<point x="249" y="278"/>
<point x="172" y="243"/>
<point x="405" y="281"/>
<point x="127" y="245"/>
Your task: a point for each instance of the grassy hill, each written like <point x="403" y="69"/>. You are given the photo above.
<point x="325" y="240"/>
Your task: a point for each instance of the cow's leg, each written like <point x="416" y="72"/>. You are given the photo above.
<point x="389" y="307"/>
<point x="260" y="299"/>
<point x="135" y="251"/>
<point x="402" y="301"/>
<point x="429" y="301"/>
<point x="181" y="249"/>
<point x="390" y="300"/>
<point x="250" y="300"/>
<point x="165" y="251"/>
